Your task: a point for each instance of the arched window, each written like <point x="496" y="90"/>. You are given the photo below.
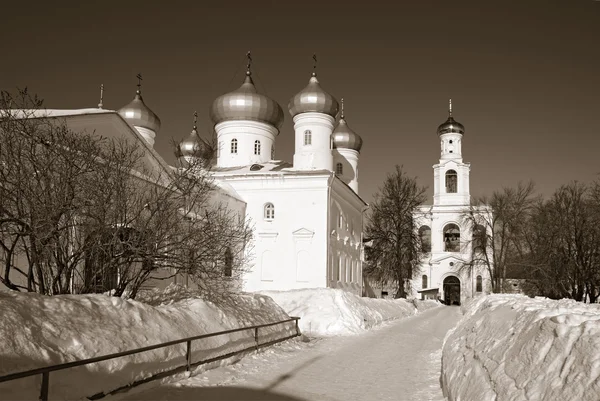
<point x="257" y="147"/>
<point x="479" y="285"/>
<point x="269" y="211"/>
<point x="307" y="137"/>
<point x="228" y="263"/>
<point x="234" y="144"/>
<point x="425" y="237"/>
<point x="451" y="182"/>
<point x="479" y="238"/>
<point x="424" y="282"/>
<point x="339" y="169"/>
<point x="451" y="238"/>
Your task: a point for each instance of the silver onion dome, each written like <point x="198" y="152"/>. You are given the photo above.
<point x="313" y="99"/>
<point x="245" y="103"/>
<point x="451" y="126"/>
<point x="344" y="137"/>
<point x="193" y="145"/>
<point x="138" y="114"/>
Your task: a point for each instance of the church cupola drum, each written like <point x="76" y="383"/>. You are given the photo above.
<point x="140" y="116"/>
<point x="346" y="148"/>
<point x="246" y="123"/>
<point x="313" y="111"/>
<point x="451" y="133"/>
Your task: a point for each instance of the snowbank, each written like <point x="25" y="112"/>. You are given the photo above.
<point x="37" y="331"/>
<point x="328" y="311"/>
<point x="511" y="347"/>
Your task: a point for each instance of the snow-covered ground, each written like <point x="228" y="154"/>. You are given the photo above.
<point x="400" y="360"/>
<point x="511" y="347"/>
<point x="38" y="331"/>
<point x="327" y="311"/>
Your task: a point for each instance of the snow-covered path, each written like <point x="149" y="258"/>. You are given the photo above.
<point x="400" y="361"/>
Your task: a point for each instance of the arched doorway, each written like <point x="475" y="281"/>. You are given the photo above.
<point x="452" y="290"/>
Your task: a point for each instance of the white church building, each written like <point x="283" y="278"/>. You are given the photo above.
<point x="446" y="271"/>
<point x="307" y="215"/>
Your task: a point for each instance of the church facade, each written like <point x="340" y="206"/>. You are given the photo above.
<point x="307" y="215"/>
<point x="447" y="271"/>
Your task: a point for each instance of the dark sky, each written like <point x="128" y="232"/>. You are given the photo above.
<point x="524" y="76"/>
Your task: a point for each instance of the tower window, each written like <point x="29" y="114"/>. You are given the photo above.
<point x="272" y="152"/>
<point x="425" y="237"/>
<point x="451" y="182"/>
<point x="269" y="212"/>
<point x="450" y="141"/>
<point x="257" y="147"/>
<point x="339" y="169"/>
<point x="424" y="281"/>
<point x="234" y="145"/>
<point x="307" y="137"/>
<point x="451" y="238"/>
<point x="479" y="284"/>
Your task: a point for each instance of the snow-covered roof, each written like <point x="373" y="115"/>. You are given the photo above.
<point x="272" y="166"/>
<point x="43" y="113"/>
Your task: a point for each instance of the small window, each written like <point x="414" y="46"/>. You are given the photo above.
<point x="257" y="147"/>
<point x="424" y="282"/>
<point x="228" y="263"/>
<point x="307" y="137"/>
<point x="340" y="219"/>
<point x="339" y="169"/>
<point x="234" y="145"/>
<point x="269" y="211"/>
<point x="272" y="152"/>
<point x="479" y="285"/>
<point x="450" y="141"/>
<point x="340" y="267"/>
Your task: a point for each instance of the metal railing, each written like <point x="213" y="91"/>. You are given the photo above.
<point x="45" y="371"/>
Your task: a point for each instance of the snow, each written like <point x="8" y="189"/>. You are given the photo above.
<point x="511" y="347"/>
<point x="38" y="331"/>
<point x="328" y="311"/>
<point x="399" y="360"/>
<point x="44" y="113"/>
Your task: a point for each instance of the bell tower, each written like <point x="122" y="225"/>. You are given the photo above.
<point x="451" y="174"/>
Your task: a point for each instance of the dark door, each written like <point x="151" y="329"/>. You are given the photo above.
<point x="452" y="290"/>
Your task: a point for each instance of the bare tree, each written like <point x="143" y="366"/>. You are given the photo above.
<point x="80" y="213"/>
<point x="566" y="243"/>
<point x="396" y="247"/>
<point x="499" y="224"/>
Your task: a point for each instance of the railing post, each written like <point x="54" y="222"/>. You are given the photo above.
<point x="256" y="337"/>
<point x="45" y="384"/>
<point x="188" y="355"/>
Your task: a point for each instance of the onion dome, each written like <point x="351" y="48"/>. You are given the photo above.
<point x="193" y="146"/>
<point x="451" y="126"/>
<point x="245" y="103"/>
<point x="138" y="114"/>
<point x="344" y="137"/>
<point x="313" y="99"/>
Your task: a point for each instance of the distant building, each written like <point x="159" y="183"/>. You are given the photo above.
<point x="446" y="271"/>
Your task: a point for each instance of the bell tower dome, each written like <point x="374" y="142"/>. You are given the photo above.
<point x="451" y="175"/>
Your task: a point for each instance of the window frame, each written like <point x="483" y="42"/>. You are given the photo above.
<point x="269" y="211"/>
<point x="234" y="146"/>
<point x="257" y="146"/>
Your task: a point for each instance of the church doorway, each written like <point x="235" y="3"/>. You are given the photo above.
<point x="452" y="290"/>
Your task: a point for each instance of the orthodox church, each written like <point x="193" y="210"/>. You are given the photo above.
<point x="307" y="215"/>
<point x="447" y="271"/>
